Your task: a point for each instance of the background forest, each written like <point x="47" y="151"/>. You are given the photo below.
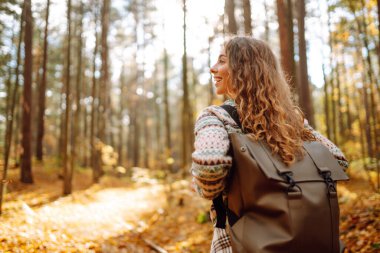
<point x="103" y="94"/>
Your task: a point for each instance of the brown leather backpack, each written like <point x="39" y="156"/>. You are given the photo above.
<point x="273" y="208"/>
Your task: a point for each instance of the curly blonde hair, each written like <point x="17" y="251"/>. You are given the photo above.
<point x="264" y="100"/>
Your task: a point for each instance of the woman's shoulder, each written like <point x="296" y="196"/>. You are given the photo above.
<point x="216" y="115"/>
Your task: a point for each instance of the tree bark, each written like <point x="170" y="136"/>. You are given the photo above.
<point x="186" y="107"/>
<point x="42" y="91"/>
<point x="158" y="121"/>
<point x="67" y="170"/>
<point x="26" y="157"/>
<point x="326" y="103"/>
<point x="94" y="106"/>
<point x="347" y="98"/>
<point x="104" y="72"/>
<point x="11" y="111"/>
<point x="75" y="124"/>
<point x="285" y="22"/>
<point x="339" y="102"/>
<point x="332" y="80"/>
<point x="229" y="10"/>
<point x="168" y="149"/>
<point x="378" y="33"/>
<point x="266" y="22"/>
<point x="305" y="98"/>
<point x="247" y="17"/>
<point x="210" y="83"/>
<point x="121" y="117"/>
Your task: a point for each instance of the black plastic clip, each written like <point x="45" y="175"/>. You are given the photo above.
<point x="326" y="175"/>
<point x="293" y="190"/>
<point x="289" y="178"/>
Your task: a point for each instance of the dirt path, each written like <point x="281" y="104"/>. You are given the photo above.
<point x="117" y="215"/>
<point x="80" y="222"/>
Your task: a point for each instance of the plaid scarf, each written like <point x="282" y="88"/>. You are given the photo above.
<point x="221" y="242"/>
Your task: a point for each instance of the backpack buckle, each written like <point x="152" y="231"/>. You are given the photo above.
<point x="293" y="190"/>
<point x="326" y="175"/>
<point x="288" y="175"/>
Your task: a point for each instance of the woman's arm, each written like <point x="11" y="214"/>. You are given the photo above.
<point x="210" y="160"/>
<point x="338" y="154"/>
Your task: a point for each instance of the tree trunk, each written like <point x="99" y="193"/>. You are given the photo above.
<point x="11" y="112"/>
<point x="362" y="128"/>
<point x="86" y="143"/>
<point x="26" y="157"/>
<point x="186" y="107"/>
<point x="136" y="138"/>
<point x="266" y="22"/>
<point x="326" y="103"/>
<point x="121" y="116"/>
<point x="339" y="102"/>
<point x="305" y="99"/>
<point x="67" y="183"/>
<point x="158" y="122"/>
<point x="347" y="98"/>
<point x="94" y="106"/>
<point x="42" y="91"/>
<point x="247" y="17"/>
<point x="285" y="22"/>
<point x="168" y="148"/>
<point x="229" y="10"/>
<point x="378" y="33"/>
<point x="104" y="72"/>
<point x="332" y="80"/>
<point x="210" y="83"/>
<point x="75" y="124"/>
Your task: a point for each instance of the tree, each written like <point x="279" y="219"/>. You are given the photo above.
<point x="187" y="118"/>
<point x="121" y="115"/>
<point x="378" y="28"/>
<point x="285" y="22"/>
<point x="266" y="22"/>
<point x="94" y="102"/>
<point x="304" y="87"/>
<point x="26" y="157"/>
<point x="168" y="142"/>
<point x="42" y="91"/>
<point x="326" y="102"/>
<point x="247" y="17"/>
<point x="76" y="120"/>
<point x="334" y="133"/>
<point x="229" y="10"/>
<point x="104" y="80"/>
<point x="10" y="115"/>
<point x="67" y="170"/>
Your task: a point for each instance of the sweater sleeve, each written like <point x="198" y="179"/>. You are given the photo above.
<point x="210" y="162"/>
<point x="338" y="154"/>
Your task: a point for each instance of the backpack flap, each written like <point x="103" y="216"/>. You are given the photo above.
<point x="302" y="171"/>
<point x="324" y="160"/>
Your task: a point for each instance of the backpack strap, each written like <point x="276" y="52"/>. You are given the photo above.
<point x="232" y="111"/>
<point x="220" y="207"/>
<point x="220" y="211"/>
<point x="324" y="168"/>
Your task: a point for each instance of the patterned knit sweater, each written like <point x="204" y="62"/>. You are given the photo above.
<point x="211" y="163"/>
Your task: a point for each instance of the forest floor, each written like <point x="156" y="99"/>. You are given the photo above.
<point x="141" y="214"/>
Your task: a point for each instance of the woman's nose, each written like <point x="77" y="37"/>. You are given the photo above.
<point x="213" y="69"/>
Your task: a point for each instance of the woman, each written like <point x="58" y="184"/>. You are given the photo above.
<point x="249" y="74"/>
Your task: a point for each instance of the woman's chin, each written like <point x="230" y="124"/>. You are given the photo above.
<point x="219" y="92"/>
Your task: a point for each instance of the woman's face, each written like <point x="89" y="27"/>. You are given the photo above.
<point x="221" y="74"/>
